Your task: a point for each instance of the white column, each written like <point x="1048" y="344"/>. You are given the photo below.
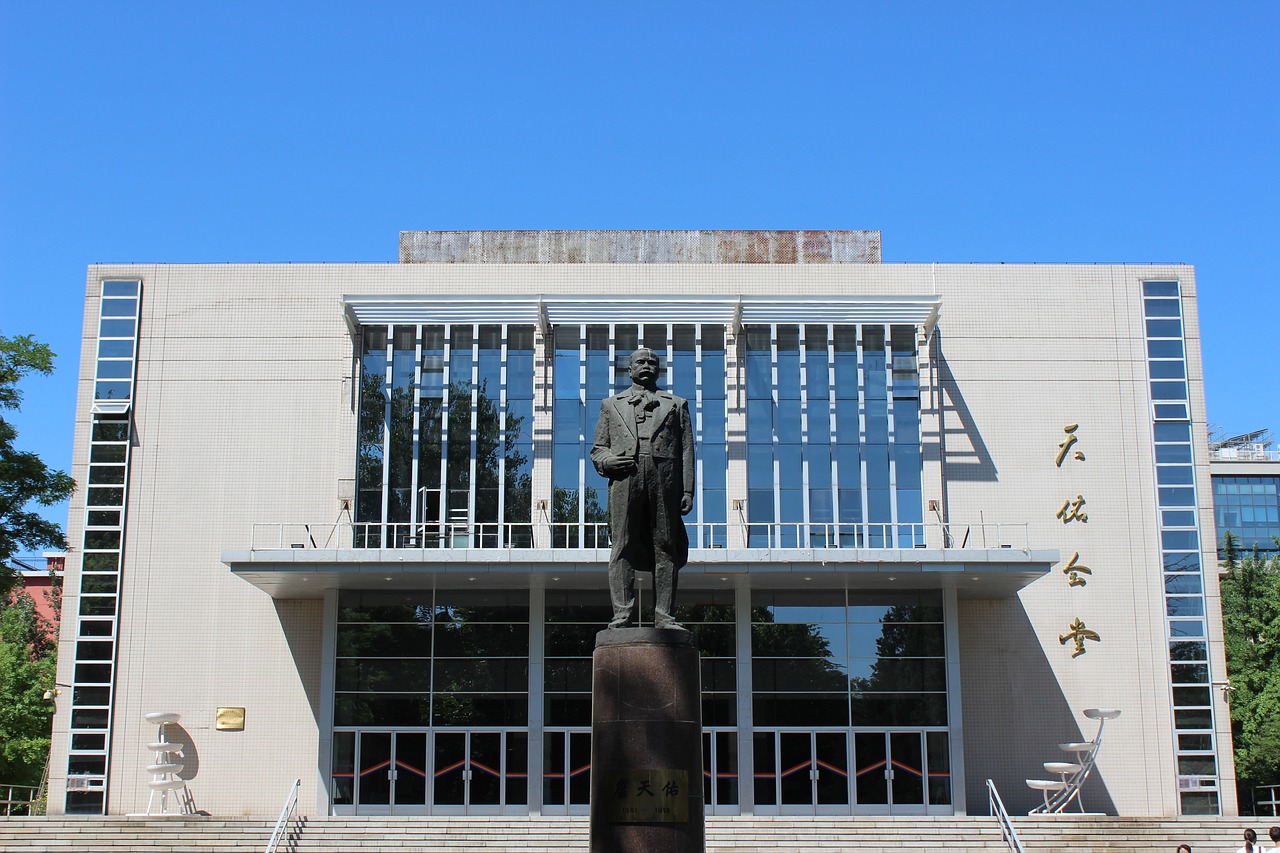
<point x="746" y="722"/>
<point x="543" y="400"/>
<point x="328" y="665"/>
<point x="537" y="686"/>
<point x="955" y="718"/>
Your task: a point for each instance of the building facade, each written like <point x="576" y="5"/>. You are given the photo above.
<point x="940" y="511"/>
<point x="1246" y="492"/>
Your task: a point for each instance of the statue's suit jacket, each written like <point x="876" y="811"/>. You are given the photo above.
<point x="671" y="446"/>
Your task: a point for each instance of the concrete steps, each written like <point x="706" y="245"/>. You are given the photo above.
<point x="569" y="834"/>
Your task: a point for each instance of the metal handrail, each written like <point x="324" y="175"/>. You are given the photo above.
<point x="505" y="536"/>
<point x="290" y="805"/>
<point x="1273" y="803"/>
<point x="995" y="807"/>
<point x="23" y="804"/>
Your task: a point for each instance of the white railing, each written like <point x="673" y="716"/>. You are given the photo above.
<point x="1267" y="797"/>
<point x="19" y="799"/>
<point x="1245" y="453"/>
<point x="286" y="813"/>
<point x="995" y="806"/>
<point x="740" y="534"/>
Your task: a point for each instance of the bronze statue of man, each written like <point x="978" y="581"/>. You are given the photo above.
<point x="644" y="446"/>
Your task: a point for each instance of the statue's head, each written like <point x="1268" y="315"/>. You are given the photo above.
<point x="644" y="367"/>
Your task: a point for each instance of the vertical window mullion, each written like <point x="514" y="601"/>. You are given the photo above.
<point x="775" y="533"/>
<point x="862" y="436"/>
<point x="386" y="432"/>
<point x="892" y="538"/>
<point x="609" y="392"/>
<point x="834" y="536"/>
<point x="582" y="431"/>
<point x="697" y="439"/>
<point x="445" y="412"/>
<point x="475" y="414"/>
<point x="417" y="434"/>
<point x="803" y="367"/>
<point x="502" y="537"/>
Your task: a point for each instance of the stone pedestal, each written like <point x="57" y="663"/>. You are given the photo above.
<point x="646" y="743"/>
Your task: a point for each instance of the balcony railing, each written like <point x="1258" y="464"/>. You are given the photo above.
<point x="738" y="535"/>
<point x="1244" y="453"/>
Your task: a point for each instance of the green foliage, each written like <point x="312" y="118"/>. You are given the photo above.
<point x="1251" y="627"/>
<point x="24" y="478"/>
<point x="28" y="659"/>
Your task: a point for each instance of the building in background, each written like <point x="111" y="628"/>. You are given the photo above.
<point x="39" y="576"/>
<point x="941" y="510"/>
<point x="1246" y="491"/>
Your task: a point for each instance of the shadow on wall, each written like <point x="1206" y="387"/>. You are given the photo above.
<point x="962" y="450"/>
<point x="190" y="755"/>
<point x="1015" y="714"/>
<point x="301" y="621"/>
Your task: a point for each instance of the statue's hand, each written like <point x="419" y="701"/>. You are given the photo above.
<point x="619" y="466"/>
<point x="686" y="504"/>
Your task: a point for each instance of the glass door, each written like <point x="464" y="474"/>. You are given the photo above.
<point x="480" y="772"/>
<point x="802" y="772"/>
<point x="409" y="774"/>
<point x="373" y="778"/>
<point x="890" y="773"/>
<point x="566" y="771"/>
<point x="720" y="771"/>
<point x="380" y="773"/>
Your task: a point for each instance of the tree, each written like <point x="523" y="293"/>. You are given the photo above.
<point x="28" y="659"/>
<point x="1251" y="629"/>
<point x="24" y="478"/>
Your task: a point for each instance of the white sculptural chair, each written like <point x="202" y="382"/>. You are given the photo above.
<point x="165" y="767"/>
<point x="1059" y="793"/>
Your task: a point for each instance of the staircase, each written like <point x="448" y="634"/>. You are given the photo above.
<point x="569" y="834"/>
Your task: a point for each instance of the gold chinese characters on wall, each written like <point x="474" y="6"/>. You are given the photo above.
<point x="1071" y="511"/>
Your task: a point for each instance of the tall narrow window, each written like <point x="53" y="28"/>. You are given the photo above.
<point x="106" y="499"/>
<point x="372" y="437"/>
<point x="1193" y="710"/>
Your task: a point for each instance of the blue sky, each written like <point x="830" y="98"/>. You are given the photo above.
<point x="1018" y="132"/>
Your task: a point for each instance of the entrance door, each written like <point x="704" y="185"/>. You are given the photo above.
<point x="480" y="772"/>
<point x="802" y="772"/>
<point x="720" y="770"/>
<point x="391" y="775"/>
<point x="889" y="770"/>
<point x="566" y="771"/>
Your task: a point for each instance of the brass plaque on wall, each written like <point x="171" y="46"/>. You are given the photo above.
<point x="230" y="720"/>
<point x="647" y="796"/>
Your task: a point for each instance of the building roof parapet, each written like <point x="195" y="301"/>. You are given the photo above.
<point x="640" y="247"/>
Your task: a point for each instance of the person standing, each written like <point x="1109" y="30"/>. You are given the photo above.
<point x="644" y="446"/>
<point x="1250" y="842"/>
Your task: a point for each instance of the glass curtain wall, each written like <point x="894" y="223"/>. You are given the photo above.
<point x="1249" y="508"/>
<point x="573" y="618"/>
<point x="854" y="681"/>
<point x="1180" y="550"/>
<point x="591" y="363"/>
<point x="833" y="436"/>
<point x="424" y="660"/>
<point x="445" y="449"/>
<point x="829" y="664"/>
